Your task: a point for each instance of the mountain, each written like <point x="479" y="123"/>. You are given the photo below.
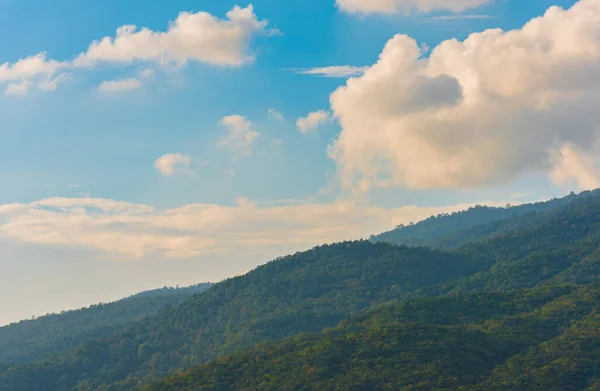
<point x="304" y="292"/>
<point x="30" y="340"/>
<point x="485" y="341"/>
<point x="450" y="231"/>
<point x="314" y="290"/>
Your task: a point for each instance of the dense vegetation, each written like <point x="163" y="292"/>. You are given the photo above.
<point x="303" y="292"/>
<point x="541" y="339"/>
<point x="553" y="251"/>
<point x="30" y="340"/>
<point x="450" y="231"/>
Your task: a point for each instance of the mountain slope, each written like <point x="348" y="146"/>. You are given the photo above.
<point x="447" y="343"/>
<point x="30" y="340"/>
<point x="563" y="248"/>
<point x="316" y="289"/>
<point x="304" y="292"/>
<point x="450" y="231"/>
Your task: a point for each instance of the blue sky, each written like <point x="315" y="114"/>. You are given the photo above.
<point x="69" y="153"/>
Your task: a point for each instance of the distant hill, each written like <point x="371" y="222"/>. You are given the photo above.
<point x="449" y="231"/>
<point x="30" y="340"/>
<point x="542" y="339"/>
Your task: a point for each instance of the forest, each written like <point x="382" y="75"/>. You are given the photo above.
<point x="513" y="308"/>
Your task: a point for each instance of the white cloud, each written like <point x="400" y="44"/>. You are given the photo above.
<point x="20" y="88"/>
<point x="199" y="37"/>
<point x="313" y="120"/>
<point x="173" y="163"/>
<point x="575" y="166"/>
<point x="475" y="112"/>
<point x="407" y="6"/>
<point x="239" y="135"/>
<point x="276" y="115"/>
<point x="136" y="231"/>
<point x="120" y="85"/>
<point x="334" y="71"/>
<point x="29" y="68"/>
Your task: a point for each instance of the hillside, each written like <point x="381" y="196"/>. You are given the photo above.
<point x="486" y="341"/>
<point x="450" y="231"/>
<point x="313" y="290"/>
<point x="30" y="340"/>
<point x="303" y="292"/>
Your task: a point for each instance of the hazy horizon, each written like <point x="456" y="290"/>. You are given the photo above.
<point x="148" y="145"/>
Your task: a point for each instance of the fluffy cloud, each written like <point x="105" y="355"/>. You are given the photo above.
<point x="407" y="6"/>
<point x="134" y="231"/>
<point x="30" y="67"/>
<point x="313" y="120"/>
<point x="239" y="135"/>
<point x="120" y="85"/>
<point x="576" y="166"/>
<point x="199" y="37"/>
<point x="479" y="111"/>
<point x="334" y="71"/>
<point x="191" y="37"/>
<point x="173" y="163"/>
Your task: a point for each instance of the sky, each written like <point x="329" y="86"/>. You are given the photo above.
<point x="145" y="144"/>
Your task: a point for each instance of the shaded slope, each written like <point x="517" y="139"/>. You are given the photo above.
<point x="30" y="340"/>
<point x="421" y="345"/>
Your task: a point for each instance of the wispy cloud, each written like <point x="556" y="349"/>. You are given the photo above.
<point x="123" y="85"/>
<point x="332" y="71"/>
<point x="135" y="231"/>
<point x="407" y="6"/>
<point x="445" y="18"/>
<point x="276" y="115"/>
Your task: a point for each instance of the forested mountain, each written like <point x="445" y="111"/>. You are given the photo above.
<point x="449" y="231"/>
<point x="313" y="290"/>
<point x="303" y="292"/>
<point x="30" y="340"/>
<point x="542" y="339"/>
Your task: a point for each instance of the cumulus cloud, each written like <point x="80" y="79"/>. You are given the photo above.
<point x="475" y="112"/>
<point x="134" y="231"/>
<point x="21" y="75"/>
<point x="313" y="120"/>
<point x="173" y="163"/>
<point x="574" y="166"/>
<point x="199" y="37"/>
<point x="276" y="115"/>
<point x="239" y="135"/>
<point x="30" y="67"/>
<point x="407" y="6"/>
<point x="120" y="85"/>
<point x="334" y="71"/>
